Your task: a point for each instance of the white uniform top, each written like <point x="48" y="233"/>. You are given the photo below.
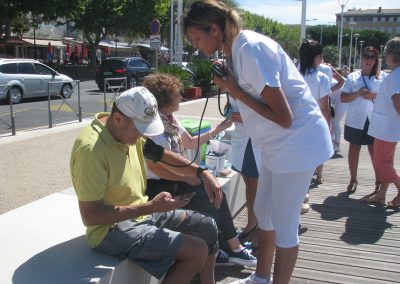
<point x="385" y="120"/>
<point x="319" y="84"/>
<point x="360" y="108"/>
<point x="259" y="61"/>
<point x="164" y="141"/>
<point x="239" y="139"/>
<point x="326" y="69"/>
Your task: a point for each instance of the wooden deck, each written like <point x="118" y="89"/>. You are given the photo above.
<point x="344" y="239"/>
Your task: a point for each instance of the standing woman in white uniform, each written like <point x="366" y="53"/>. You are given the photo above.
<point x="288" y="132"/>
<point x="310" y="55"/>
<point x="385" y="126"/>
<point x="359" y="90"/>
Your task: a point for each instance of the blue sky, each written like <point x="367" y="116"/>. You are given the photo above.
<point x="289" y="11"/>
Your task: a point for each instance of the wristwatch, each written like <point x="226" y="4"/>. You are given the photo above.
<point x="199" y="171"/>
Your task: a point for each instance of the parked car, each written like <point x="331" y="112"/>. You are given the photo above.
<point x="134" y="69"/>
<point x="28" y="78"/>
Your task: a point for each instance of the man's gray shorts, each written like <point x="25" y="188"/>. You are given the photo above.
<point x="154" y="242"/>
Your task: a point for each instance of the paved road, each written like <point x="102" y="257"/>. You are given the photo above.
<point x="35" y="163"/>
<point x="34" y="113"/>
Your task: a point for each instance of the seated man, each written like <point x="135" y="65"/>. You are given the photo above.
<point x="109" y="177"/>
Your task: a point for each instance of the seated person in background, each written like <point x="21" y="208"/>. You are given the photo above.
<point x="166" y="89"/>
<point x="108" y="173"/>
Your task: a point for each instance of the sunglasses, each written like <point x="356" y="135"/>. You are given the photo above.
<point x="369" y="57"/>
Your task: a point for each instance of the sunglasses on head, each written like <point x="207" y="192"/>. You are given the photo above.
<point x="370" y="57"/>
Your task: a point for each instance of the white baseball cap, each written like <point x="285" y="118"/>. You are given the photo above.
<point x="140" y="105"/>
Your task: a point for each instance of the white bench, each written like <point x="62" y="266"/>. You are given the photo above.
<point x="43" y="242"/>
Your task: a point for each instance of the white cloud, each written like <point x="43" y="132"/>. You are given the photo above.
<point x="289" y="11"/>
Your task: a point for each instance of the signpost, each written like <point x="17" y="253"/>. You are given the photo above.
<point x="155" y="38"/>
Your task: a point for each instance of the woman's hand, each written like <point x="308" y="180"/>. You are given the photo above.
<point x="236" y="117"/>
<point x="226" y="123"/>
<point x="369" y="95"/>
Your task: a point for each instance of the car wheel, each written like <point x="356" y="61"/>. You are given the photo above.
<point x="132" y="82"/>
<point x="16" y="95"/>
<point x="66" y="91"/>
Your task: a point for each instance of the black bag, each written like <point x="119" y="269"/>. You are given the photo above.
<point x="331" y="108"/>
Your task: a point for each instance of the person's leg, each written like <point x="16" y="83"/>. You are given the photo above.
<point x="204" y="228"/>
<point x="188" y="261"/>
<point x="287" y="197"/>
<point x="353" y="158"/>
<point x="251" y="190"/>
<point x="265" y="232"/>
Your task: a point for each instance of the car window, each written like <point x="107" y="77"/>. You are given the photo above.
<point x="113" y="64"/>
<point x="138" y="63"/>
<point x="10" y="68"/>
<point x="43" y="70"/>
<point x="26" y="68"/>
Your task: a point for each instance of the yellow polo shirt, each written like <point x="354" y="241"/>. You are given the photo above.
<point x="104" y="169"/>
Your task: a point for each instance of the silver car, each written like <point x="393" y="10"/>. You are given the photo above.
<point x="28" y="78"/>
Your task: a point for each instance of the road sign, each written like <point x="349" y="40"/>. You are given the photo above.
<point x="155" y="41"/>
<point x="155" y="27"/>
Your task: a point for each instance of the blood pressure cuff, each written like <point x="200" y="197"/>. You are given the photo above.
<point x="152" y="151"/>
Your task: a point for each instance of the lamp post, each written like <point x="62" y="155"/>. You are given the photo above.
<point x="342" y="5"/>
<point x="352" y="24"/>
<point x="303" y="20"/>
<point x="380" y="58"/>
<point x="355" y="51"/>
<point x="361" y="44"/>
<point x="171" y="38"/>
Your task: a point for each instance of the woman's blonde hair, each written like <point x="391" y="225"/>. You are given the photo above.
<point x="202" y="14"/>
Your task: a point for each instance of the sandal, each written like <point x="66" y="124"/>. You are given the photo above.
<point x="395" y="203"/>
<point x="374" y="199"/>
<point x="352" y="187"/>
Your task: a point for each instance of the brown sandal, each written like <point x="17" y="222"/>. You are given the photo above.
<point x="395" y="203"/>
<point x="352" y="187"/>
<point x="374" y="199"/>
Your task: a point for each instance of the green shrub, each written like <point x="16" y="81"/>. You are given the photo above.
<point x="183" y="75"/>
<point x="201" y="70"/>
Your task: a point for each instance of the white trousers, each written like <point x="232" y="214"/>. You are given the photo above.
<point x="278" y="203"/>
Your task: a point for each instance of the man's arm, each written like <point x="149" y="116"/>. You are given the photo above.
<point x="98" y="213"/>
<point x="161" y="171"/>
<point x="179" y="164"/>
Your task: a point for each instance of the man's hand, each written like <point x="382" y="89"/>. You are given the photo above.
<point x="193" y="181"/>
<point x="163" y="202"/>
<point x="212" y="188"/>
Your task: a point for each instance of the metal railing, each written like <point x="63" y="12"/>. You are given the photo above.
<point x="115" y="89"/>
<point x="75" y="85"/>
<point x="12" y="117"/>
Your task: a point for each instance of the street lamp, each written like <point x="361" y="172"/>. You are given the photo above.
<point x="303" y="20"/>
<point x="342" y="4"/>
<point x="355" y="51"/>
<point x="351" y="24"/>
<point x="361" y="44"/>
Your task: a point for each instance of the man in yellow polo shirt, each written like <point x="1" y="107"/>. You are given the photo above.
<point x="108" y="174"/>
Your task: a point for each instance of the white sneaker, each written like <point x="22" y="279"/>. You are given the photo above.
<point x="307" y="198"/>
<point x="250" y="280"/>
<point x="336" y="147"/>
<point x="305" y="208"/>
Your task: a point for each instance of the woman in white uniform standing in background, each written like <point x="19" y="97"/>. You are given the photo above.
<point x="285" y="124"/>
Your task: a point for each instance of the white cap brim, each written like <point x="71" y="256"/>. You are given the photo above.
<point x="154" y="128"/>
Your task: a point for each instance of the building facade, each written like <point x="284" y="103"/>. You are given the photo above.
<point x="384" y="20"/>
